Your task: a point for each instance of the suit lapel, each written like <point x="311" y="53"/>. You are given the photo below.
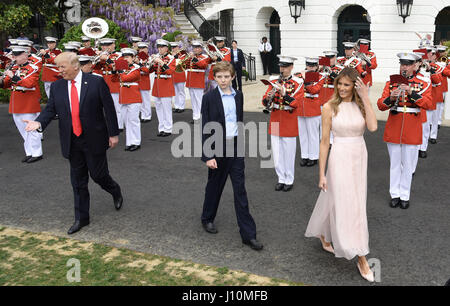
<point x="219" y="100"/>
<point x="84" y="88"/>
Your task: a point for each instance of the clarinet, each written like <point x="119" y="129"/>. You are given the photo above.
<point x="10" y="65"/>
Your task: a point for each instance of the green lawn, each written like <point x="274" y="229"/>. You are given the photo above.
<point x="41" y="259"/>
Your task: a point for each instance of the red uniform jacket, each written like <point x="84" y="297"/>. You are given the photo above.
<point x="310" y="105"/>
<point x="436" y="80"/>
<point x="402" y="127"/>
<point x="196" y="69"/>
<point x="50" y="72"/>
<point x="226" y="57"/>
<point x="284" y="123"/>
<point x="328" y="88"/>
<point x="163" y="84"/>
<point x="37" y="61"/>
<point x="144" y="83"/>
<point x="25" y="92"/>
<point x="104" y="68"/>
<point x="373" y="61"/>
<point x="129" y="85"/>
<point x="179" y="77"/>
<point x="425" y="78"/>
<point x="352" y="62"/>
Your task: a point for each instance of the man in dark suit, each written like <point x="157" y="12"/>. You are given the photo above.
<point x="238" y="60"/>
<point x="223" y="108"/>
<point x="87" y="127"/>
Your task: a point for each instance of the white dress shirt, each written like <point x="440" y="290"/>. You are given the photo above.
<point x="77" y="85"/>
<point x="267" y="45"/>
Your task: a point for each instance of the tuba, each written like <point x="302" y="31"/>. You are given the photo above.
<point x="95" y="28"/>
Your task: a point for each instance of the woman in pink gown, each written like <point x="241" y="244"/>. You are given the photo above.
<point x="339" y="216"/>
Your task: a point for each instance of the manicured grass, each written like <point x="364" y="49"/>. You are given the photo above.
<point x="33" y="259"/>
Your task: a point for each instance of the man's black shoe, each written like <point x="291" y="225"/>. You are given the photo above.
<point x="303" y="162"/>
<point x="127" y="148"/>
<point x="134" y="148"/>
<point x="311" y="163"/>
<point x="176" y="110"/>
<point x="34" y="159"/>
<point x="160" y="134"/>
<point x="404" y="204"/>
<point x="254" y="244"/>
<point x="422" y="154"/>
<point x="56" y="117"/>
<point x="394" y="203"/>
<point x="145" y="120"/>
<point x="210" y="228"/>
<point x="181" y="110"/>
<point x="192" y="122"/>
<point x="118" y="201"/>
<point x="77" y="226"/>
<point x="433" y="141"/>
<point x="26" y="158"/>
<point x="279" y="187"/>
<point x="287" y="188"/>
<point x="166" y="134"/>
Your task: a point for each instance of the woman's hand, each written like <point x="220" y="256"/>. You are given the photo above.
<point x="323" y="183"/>
<point x="361" y="88"/>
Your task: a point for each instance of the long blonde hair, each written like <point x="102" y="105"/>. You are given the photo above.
<point x="336" y="99"/>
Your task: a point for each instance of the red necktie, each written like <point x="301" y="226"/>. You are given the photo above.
<point x="75" y="104"/>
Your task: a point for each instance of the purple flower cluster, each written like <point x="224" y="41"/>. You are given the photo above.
<point x="137" y="19"/>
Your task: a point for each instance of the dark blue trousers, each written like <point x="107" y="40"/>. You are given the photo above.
<point x="233" y="167"/>
<point x="83" y="163"/>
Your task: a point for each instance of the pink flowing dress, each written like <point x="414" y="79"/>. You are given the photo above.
<point x="340" y="213"/>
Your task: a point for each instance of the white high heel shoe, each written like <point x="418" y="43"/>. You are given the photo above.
<point x="369" y="276"/>
<point x="328" y="248"/>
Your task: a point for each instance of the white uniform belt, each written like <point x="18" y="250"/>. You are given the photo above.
<point x="107" y="72"/>
<point x="285" y="107"/>
<point x="130" y="84"/>
<point x="436" y="85"/>
<point x="355" y="139"/>
<point x="165" y="76"/>
<point x="308" y="95"/>
<point x="328" y="86"/>
<point x="408" y="109"/>
<point x="50" y="65"/>
<point x="23" y="88"/>
<point x="196" y="70"/>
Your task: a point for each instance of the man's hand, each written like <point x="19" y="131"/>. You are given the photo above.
<point x="9" y="73"/>
<point x="32" y="125"/>
<point x="394" y="94"/>
<point x="212" y="164"/>
<point x="113" y="141"/>
<point x="406" y="88"/>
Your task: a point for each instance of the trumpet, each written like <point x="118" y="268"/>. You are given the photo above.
<point x="151" y="59"/>
<point x="97" y="58"/>
<point x="182" y="64"/>
<point x="443" y="58"/>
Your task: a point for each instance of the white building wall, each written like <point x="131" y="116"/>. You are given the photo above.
<point x="316" y="30"/>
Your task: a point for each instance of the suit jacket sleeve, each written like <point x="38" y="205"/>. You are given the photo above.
<point x="205" y="119"/>
<point x="49" y="112"/>
<point x="108" y="106"/>
<point x="241" y="57"/>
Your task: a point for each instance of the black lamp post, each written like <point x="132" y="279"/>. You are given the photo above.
<point x="404" y="8"/>
<point x="296" y="7"/>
